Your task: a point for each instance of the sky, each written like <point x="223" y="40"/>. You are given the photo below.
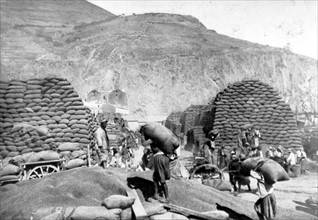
<point x="280" y="23"/>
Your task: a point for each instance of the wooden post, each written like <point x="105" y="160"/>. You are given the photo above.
<point x="88" y="156"/>
<point x="137" y="207"/>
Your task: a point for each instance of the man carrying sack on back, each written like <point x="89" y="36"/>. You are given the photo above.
<point x="163" y="145"/>
<point x="102" y="144"/>
<point x="265" y="206"/>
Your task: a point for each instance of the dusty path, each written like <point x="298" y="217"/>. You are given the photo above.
<point x="291" y="194"/>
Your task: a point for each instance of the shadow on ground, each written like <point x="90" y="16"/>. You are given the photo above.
<point x="308" y="208"/>
<point x="144" y="185"/>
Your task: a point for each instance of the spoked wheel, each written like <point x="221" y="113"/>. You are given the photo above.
<point x="207" y="171"/>
<point x="42" y="171"/>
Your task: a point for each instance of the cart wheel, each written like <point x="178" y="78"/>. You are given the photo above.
<point x="41" y="171"/>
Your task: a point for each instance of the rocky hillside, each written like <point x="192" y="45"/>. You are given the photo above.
<point x="163" y="62"/>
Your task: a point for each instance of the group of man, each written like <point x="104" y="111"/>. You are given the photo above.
<point x="209" y="152"/>
<point x="107" y="156"/>
<point x="248" y="145"/>
<point x="160" y="161"/>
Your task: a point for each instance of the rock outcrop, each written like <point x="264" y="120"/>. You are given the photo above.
<point x="163" y="62"/>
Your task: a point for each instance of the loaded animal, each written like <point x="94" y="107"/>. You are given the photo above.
<point x="236" y="177"/>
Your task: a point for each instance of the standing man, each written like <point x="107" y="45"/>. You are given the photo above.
<point x="222" y="157"/>
<point x="256" y="137"/>
<point x="102" y="144"/>
<point x="291" y="160"/>
<point x="234" y="154"/>
<point x="241" y="139"/>
<point x="209" y="147"/>
<point x="269" y="152"/>
<point x="161" y="173"/>
<point x="265" y="206"/>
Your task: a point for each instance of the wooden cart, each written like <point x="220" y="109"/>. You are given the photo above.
<point x="35" y="170"/>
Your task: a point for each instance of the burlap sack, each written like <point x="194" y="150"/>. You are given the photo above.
<point x="75" y="163"/>
<point x="271" y="170"/>
<point x="168" y="216"/>
<point x="43" y="155"/>
<point x="10" y="169"/>
<point x="153" y="208"/>
<point x="9" y="177"/>
<point x="161" y="137"/>
<point x="126" y="214"/>
<point x="118" y="201"/>
<point x="68" y="147"/>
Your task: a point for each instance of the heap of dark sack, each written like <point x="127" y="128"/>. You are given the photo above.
<point x="43" y="115"/>
<point x="254" y="102"/>
<point x="112" y="207"/>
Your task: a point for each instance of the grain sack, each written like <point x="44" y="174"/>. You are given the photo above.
<point x="249" y="164"/>
<point x="52" y="213"/>
<point x="69" y="147"/>
<point x="43" y="155"/>
<point x="75" y="163"/>
<point x="65" y="153"/>
<point x="271" y="170"/>
<point x="78" y="153"/>
<point x="66" y="139"/>
<point x="42" y="130"/>
<point x="49" y="140"/>
<point x="75" y="108"/>
<point x="10" y="169"/>
<point x="26" y="151"/>
<point x="168" y="216"/>
<point x="153" y="208"/>
<point x="219" y="184"/>
<point x="118" y="201"/>
<point x="13" y="154"/>
<point x="11" y="148"/>
<point x="80" y="126"/>
<point x="220" y="215"/>
<point x="161" y="137"/>
<point x="126" y="214"/>
<point x="84" y="141"/>
<point x="9" y="177"/>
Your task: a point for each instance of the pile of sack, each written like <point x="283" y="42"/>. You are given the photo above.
<point x="254" y="102"/>
<point x="75" y="154"/>
<point x="112" y="207"/>
<point x="50" y="105"/>
<point x="9" y="172"/>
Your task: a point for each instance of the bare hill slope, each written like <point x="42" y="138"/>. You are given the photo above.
<point x="164" y="62"/>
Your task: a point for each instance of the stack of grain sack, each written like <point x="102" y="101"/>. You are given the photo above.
<point x="113" y="207"/>
<point x="40" y="114"/>
<point x="251" y="101"/>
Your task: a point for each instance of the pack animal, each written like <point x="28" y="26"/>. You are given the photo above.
<point x="236" y="178"/>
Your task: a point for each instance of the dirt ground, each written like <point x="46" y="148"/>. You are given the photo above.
<point x="291" y="194"/>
